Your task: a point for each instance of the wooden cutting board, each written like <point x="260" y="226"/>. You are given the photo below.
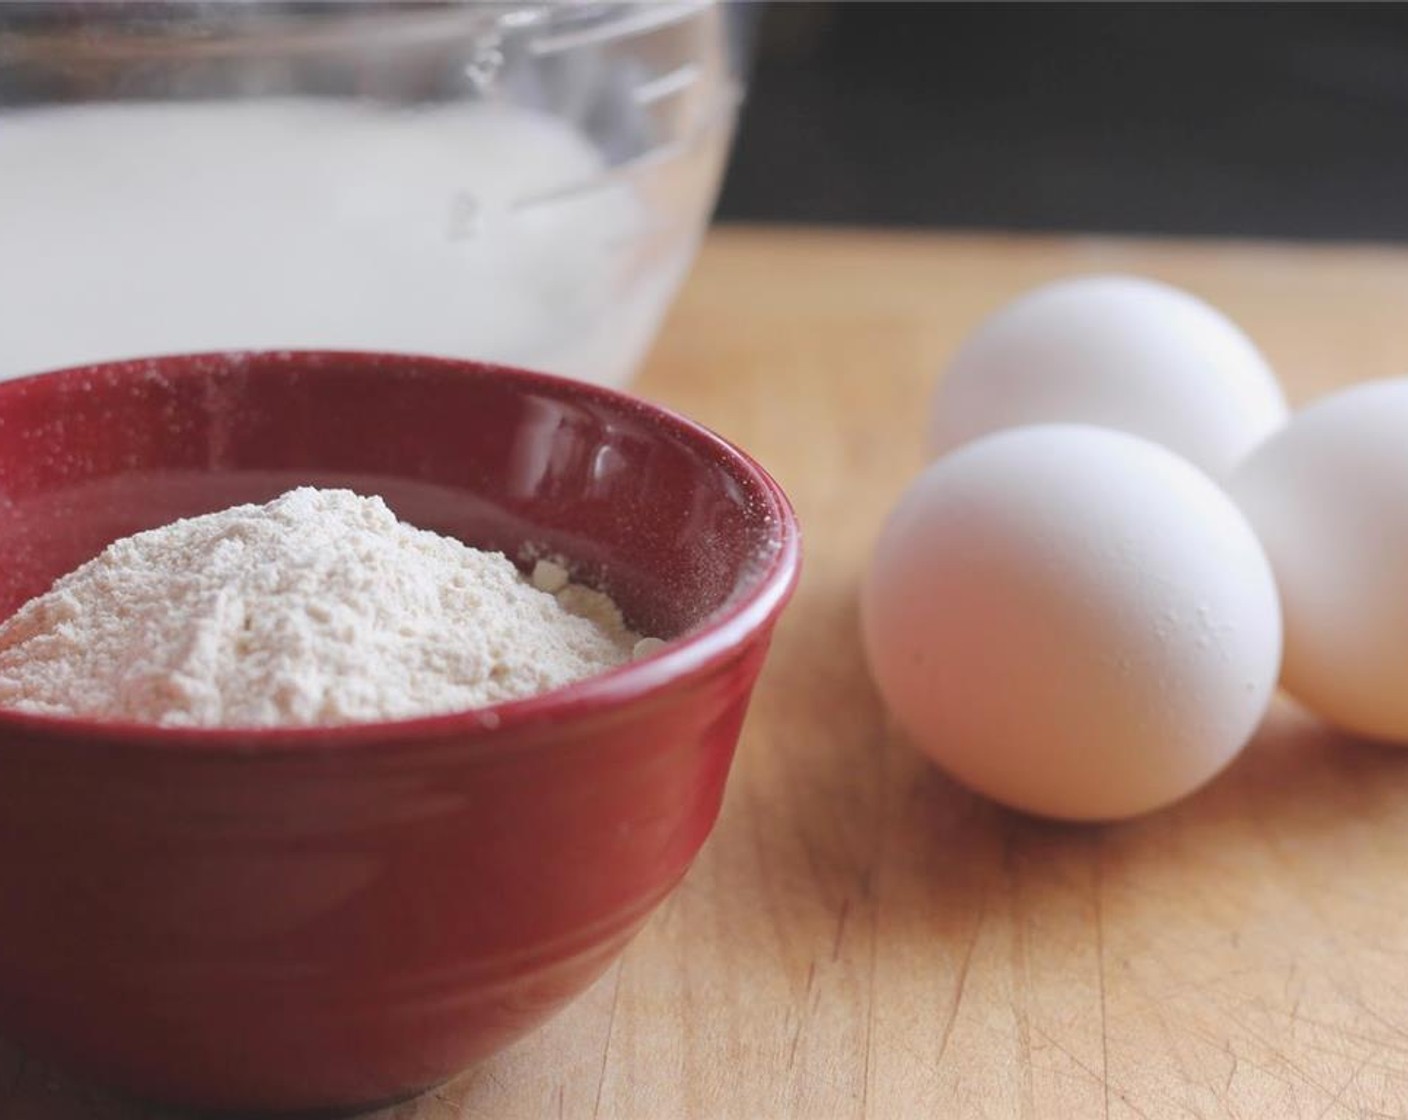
<point x="862" y="938"/>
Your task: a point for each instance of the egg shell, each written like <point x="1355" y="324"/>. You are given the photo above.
<point x="1073" y="621"/>
<point x="1116" y="351"/>
<point x="1328" y="494"/>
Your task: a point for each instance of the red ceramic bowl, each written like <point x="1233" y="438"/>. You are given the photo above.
<point x="297" y="919"/>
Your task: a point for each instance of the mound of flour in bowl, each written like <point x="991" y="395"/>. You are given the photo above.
<point x="317" y="608"/>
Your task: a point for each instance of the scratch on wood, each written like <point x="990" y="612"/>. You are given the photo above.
<point x="1094" y="1076"/>
<point x="1231" y="1073"/>
<point x="870" y="892"/>
<point x="606" y="1046"/>
<point x="1129" y="1104"/>
<point x="1075" y="1061"/>
<point x="1358" y="1001"/>
<point x="840" y="928"/>
<point x="1384" y="1045"/>
<point x="805" y="1008"/>
<point x="1338" y="1098"/>
<point x="869" y="1021"/>
<point x="1018" y="922"/>
<point x="1213" y="1038"/>
<point x="796" y="1041"/>
<point x="1293" y="1071"/>
<point x="1096" y="886"/>
<point x="958" y="987"/>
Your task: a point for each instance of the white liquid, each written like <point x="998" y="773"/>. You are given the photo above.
<point x="150" y="228"/>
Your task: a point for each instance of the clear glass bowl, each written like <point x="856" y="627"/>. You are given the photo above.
<point x="518" y="183"/>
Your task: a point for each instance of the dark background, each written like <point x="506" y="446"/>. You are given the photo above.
<point x="1285" y="120"/>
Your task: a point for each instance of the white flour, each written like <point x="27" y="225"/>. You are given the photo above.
<point x="317" y="608"/>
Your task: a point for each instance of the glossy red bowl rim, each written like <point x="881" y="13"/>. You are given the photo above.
<point x="757" y="598"/>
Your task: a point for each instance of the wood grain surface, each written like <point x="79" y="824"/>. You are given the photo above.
<point x="861" y="937"/>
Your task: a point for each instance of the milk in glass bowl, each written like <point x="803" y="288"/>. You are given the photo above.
<point x="515" y="183"/>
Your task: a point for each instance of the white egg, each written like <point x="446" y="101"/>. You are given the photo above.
<point x="1328" y="495"/>
<point x="1116" y="351"/>
<point x="1073" y="621"/>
